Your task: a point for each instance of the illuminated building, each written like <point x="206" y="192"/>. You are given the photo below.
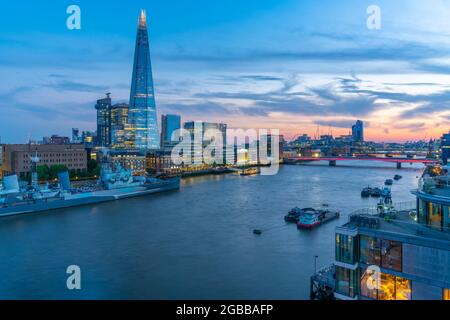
<point x="198" y="130"/>
<point x="142" y="119"/>
<point x="103" y="108"/>
<point x="412" y="253"/>
<point x="129" y="160"/>
<point x="160" y="162"/>
<point x="119" y="120"/>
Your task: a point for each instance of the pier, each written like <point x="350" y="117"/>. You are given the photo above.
<point x="323" y="284"/>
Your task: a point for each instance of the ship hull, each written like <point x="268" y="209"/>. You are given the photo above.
<point x="85" y="199"/>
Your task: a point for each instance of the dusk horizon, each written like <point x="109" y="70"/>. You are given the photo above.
<point x="325" y="78"/>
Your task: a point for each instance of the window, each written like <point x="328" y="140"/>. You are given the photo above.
<point x="345" y="281"/>
<point x="391" y="255"/>
<point x="447" y="294"/>
<point x="345" y="249"/>
<point x="435" y="215"/>
<point x="422" y="214"/>
<point x="389" y="288"/>
<point x="368" y="285"/>
<point x="370" y="250"/>
<point x="386" y="290"/>
<point x="402" y="289"/>
<point x="446" y="218"/>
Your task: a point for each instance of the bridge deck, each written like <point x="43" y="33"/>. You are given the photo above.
<point x="392" y="160"/>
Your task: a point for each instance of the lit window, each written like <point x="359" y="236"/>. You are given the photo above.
<point x="447" y="294"/>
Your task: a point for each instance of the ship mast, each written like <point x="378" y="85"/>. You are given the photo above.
<point x="34" y="176"/>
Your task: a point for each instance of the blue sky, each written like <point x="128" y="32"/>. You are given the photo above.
<point x="292" y="65"/>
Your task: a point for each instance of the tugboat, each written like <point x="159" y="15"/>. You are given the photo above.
<point x="313" y="219"/>
<point x="294" y="215"/>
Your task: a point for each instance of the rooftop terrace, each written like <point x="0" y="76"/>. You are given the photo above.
<point x="404" y="224"/>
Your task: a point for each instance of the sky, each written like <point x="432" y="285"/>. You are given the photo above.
<point x="298" y="66"/>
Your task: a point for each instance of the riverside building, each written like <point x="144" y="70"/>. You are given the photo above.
<point x="411" y="253"/>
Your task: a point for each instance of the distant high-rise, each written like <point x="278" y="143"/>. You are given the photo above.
<point x="358" y="131"/>
<point x="170" y="123"/>
<point x="445" y="148"/>
<point x="143" y="124"/>
<point x="103" y="108"/>
<point x="75" y="135"/>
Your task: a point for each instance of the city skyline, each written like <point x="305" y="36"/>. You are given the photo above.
<point x="400" y="93"/>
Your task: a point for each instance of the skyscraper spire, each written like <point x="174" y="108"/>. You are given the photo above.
<point x="143" y="19"/>
<point x="142" y="113"/>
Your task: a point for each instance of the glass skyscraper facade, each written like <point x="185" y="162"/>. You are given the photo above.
<point x="142" y="117"/>
<point x="358" y="131"/>
<point x="170" y="123"/>
<point x="103" y="108"/>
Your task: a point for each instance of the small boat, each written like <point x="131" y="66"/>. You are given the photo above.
<point x="294" y="215"/>
<point x="312" y="219"/>
<point x="257" y="232"/>
<point x="376" y="193"/>
<point x="249" y="172"/>
<point x="398" y="177"/>
<point x="389" y="182"/>
<point x="367" y="192"/>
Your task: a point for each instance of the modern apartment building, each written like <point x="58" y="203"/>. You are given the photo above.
<point x="406" y="258"/>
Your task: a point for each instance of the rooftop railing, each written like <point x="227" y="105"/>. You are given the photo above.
<point x="373" y="211"/>
<point x="439" y="186"/>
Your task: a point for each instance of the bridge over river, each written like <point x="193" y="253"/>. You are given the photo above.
<point x="333" y="160"/>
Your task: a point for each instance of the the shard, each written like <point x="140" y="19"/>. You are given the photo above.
<point x="143" y="124"/>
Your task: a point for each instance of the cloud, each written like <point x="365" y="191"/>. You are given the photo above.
<point x="344" y="124"/>
<point x="67" y="85"/>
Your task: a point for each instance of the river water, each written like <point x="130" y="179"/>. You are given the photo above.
<point x="196" y="243"/>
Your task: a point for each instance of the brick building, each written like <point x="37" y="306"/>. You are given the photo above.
<point x="15" y="158"/>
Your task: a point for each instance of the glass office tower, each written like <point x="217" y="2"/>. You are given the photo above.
<point x="170" y="123"/>
<point x="143" y="124"/>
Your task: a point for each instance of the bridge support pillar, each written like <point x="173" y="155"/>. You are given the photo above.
<point x="333" y="163"/>
<point x="399" y="165"/>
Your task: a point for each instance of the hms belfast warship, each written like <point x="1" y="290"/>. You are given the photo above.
<point x="114" y="184"/>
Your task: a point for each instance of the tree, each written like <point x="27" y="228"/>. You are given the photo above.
<point x="43" y="173"/>
<point x="92" y="166"/>
<point x="55" y="169"/>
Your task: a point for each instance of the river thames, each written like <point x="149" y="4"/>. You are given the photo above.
<point x="196" y="243"/>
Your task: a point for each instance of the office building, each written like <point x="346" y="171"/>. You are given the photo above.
<point x="16" y="158"/>
<point x="119" y="121"/>
<point x="76" y="135"/>
<point x="170" y="126"/>
<point x="358" y="131"/>
<point x="103" y="108"/>
<point x="142" y="115"/>
<point x="445" y="148"/>
<point x="56" y="139"/>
